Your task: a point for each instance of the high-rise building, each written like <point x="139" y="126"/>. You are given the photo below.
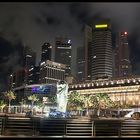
<point x="101" y="50"/>
<point x="63" y="53"/>
<point x="17" y="78"/>
<point x="122" y="62"/>
<point x="80" y="63"/>
<point x="51" y="72"/>
<point x="29" y="61"/>
<point x="33" y="77"/>
<point x="87" y="51"/>
<point x="21" y="75"/>
<point x="46" y="53"/>
<point x="29" y="57"/>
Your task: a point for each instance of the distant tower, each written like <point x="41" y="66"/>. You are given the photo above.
<point x="46" y="53"/>
<point x="20" y="76"/>
<point x="87" y="51"/>
<point x="101" y="51"/>
<point x="51" y="72"/>
<point x="122" y="62"/>
<point x="80" y="63"/>
<point x="34" y="73"/>
<point x="29" y="61"/>
<point x="63" y="53"/>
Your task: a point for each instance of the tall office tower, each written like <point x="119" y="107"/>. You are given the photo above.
<point x="51" y="72"/>
<point x="29" y="57"/>
<point x="11" y="81"/>
<point x="101" y="51"/>
<point x="34" y="73"/>
<point x="29" y="61"/>
<point x="87" y="44"/>
<point x="17" y="78"/>
<point x="63" y="53"/>
<point x="46" y="53"/>
<point x="122" y="62"/>
<point x="80" y="63"/>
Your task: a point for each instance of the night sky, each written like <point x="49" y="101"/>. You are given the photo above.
<point x="33" y="24"/>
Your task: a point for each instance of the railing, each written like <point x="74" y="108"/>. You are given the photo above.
<point x="130" y="128"/>
<point x="18" y="126"/>
<point x="11" y="126"/>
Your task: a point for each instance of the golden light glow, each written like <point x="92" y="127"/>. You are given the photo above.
<point x="101" y="26"/>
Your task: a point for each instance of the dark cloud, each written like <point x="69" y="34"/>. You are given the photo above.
<point x="80" y="12"/>
<point x="124" y="17"/>
<point x="52" y="21"/>
<point x="10" y="60"/>
<point x="33" y="24"/>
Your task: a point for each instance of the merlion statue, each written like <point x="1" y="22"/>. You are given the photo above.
<point x="62" y="91"/>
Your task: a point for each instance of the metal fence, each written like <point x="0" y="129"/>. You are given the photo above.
<point x="13" y="126"/>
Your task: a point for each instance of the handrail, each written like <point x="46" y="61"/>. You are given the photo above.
<point x="76" y="127"/>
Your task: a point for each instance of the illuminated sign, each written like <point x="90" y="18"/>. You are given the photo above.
<point x="101" y="26"/>
<point x="44" y="89"/>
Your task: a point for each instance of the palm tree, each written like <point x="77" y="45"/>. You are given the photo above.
<point x="88" y="102"/>
<point x="52" y="99"/>
<point x="75" y="101"/>
<point x="23" y="102"/>
<point x="2" y="105"/>
<point x="103" y="101"/>
<point x="33" y="98"/>
<point x="40" y="105"/>
<point x="11" y="96"/>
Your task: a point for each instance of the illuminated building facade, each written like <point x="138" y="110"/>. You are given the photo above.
<point x="80" y="63"/>
<point x="63" y="53"/>
<point x="34" y="73"/>
<point x="29" y="61"/>
<point x="16" y="78"/>
<point x="124" y="91"/>
<point x="51" y="72"/>
<point x="42" y="90"/>
<point x="46" y="53"/>
<point x="87" y="52"/>
<point x="122" y="62"/>
<point x="101" y="50"/>
<point x="20" y="76"/>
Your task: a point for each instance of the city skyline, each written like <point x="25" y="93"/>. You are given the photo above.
<point x="32" y="24"/>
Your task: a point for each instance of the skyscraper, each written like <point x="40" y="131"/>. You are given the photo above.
<point x="63" y="52"/>
<point x="33" y="76"/>
<point x="80" y="63"/>
<point x="29" y="61"/>
<point x="46" y="53"/>
<point x="101" y="50"/>
<point x="87" y="51"/>
<point x="122" y="62"/>
<point x="51" y="72"/>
